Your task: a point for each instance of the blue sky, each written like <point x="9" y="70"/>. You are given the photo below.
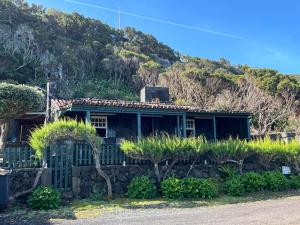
<point x="269" y="29"/>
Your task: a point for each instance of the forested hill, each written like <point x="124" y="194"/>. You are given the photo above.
<point x="87" y="52"/>
<point x="92" y="59"/>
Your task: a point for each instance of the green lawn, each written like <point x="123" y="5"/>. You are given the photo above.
<point x="85" y="208"/>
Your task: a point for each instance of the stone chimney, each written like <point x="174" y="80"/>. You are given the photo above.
<point x="155" y="94"/>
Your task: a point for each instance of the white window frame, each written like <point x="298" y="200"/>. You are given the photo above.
<point x="96" y="123"/>
<point x="191" y="128"/>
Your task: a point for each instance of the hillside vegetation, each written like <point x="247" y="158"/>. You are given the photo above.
<point x="91" y="59"/>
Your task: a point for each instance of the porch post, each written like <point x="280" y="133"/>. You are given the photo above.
<point x="214" y="128"/>
<point x="248" y="128"/>
<point x="139" y="126"/>
<point x="88" y="117"/>
<point x="184" y="125"/>
<point x="178" y="127"/>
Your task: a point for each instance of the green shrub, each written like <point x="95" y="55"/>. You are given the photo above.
<point x="227" y="171"/>
<point x="234" y="186"/>
<point x="141" y="188"/>
<point x="199" y="188"/>
<point x="44" y="198"/>
<point x="172" y="187"/>
<point x="275" y="181"/>
<point x="16" y="100"/>
<point x="294" y="182"/>
<point x="97" y="194"/>
<point x="41" y="138"/>
<point x="253" y="182"/>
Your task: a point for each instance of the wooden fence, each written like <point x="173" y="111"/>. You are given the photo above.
<point x="20" y="155"/>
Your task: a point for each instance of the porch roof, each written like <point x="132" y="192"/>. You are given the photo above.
<point x="68" y="104"/>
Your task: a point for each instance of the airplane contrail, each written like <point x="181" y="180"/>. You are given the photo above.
<point x="154" y="19"/>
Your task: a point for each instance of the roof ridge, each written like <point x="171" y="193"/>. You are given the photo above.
<point x="65" y="103"/>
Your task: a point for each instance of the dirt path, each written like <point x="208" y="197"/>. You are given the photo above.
<point x="280" y="211"/>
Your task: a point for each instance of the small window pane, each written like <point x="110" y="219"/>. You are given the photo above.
<point x="99" y="122"/>
<point x="190" y="124"/>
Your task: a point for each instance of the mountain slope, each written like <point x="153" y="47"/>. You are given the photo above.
<point x="90" y="59"/>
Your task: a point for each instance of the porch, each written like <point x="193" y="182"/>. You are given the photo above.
<point x="117" y="125"/>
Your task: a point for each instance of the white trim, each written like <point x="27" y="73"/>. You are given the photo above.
<point x="191" y="128"/>
<point x="35" y="113"/>
<point x="97" y="126"/>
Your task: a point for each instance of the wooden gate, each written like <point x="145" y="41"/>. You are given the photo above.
<point x="60" y="160"/>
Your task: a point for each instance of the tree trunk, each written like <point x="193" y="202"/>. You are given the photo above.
<point x="169" y="168"/>
<point x="297" y="167"/>
<point x="103" y="174"/>
<point x="241" y="164"/>
<point x="3" y="132"/>
<point x="156" y="171"/>
<point x="191" y="168"/>
<point x="35" y="183"/>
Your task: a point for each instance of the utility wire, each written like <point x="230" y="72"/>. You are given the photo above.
<point x="113" y="13"/>
<point x="154" y="19"/>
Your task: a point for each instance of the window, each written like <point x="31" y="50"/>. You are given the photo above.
<point x="190" y="128"/>
<point x="100" y="123"/>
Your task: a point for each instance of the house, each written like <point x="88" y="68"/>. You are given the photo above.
<point x="154" y="114"/>
<point x="114" y="120"/>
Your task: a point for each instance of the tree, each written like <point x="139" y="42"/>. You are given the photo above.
<point x="267" y="150"/>
<point x="15" y="101"/>
<point x="198" y="146"/>
<point x="147" y="74"/>
<point x="291" y="152"/>
<point x="148" y="44"/>
<point x="189" y="83"/>
<point x="158" y="149"/>
<point x="45" y="136"/>
<point x="230" y="151"/>
<point x="267" y="110"/>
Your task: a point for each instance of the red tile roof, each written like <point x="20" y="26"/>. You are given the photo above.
<point x="65" y="104"/>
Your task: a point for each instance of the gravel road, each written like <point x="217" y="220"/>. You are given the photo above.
<point x="280" y="211"/>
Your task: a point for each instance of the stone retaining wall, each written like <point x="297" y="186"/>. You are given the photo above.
<point x="85" y="179"/>
<point x="22" y="179"/>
